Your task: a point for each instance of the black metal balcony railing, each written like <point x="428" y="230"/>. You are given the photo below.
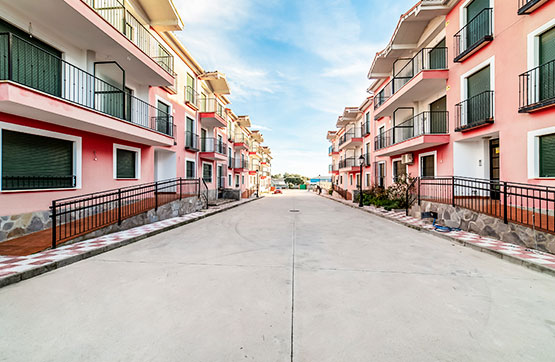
<point x="366" y="128"/>
<point x="240" y="164"/>
<point x="191" y="141"/>
<point x="425" y="123"/>
<point x="537" y="87"/>
<point x="210" y="144"/>
<point x="475" y="111"/>
<point x="115" y="13"/>
<point x="425" y="59"/>
<point x="367" y="159"/>
<point x="10" y="182"/>
<point x="474" y="34"/>
<point x="526" y="7"/>
<point x="348" y="162"/>
<point x="355" y="132"/>
<point x="31" y="66"/>
<point x="78" y="215"/>
<point x="192" y="96"/>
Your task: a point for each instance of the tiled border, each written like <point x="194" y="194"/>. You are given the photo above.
<point x="16" y="268"/>
<point x="529" y="258"/>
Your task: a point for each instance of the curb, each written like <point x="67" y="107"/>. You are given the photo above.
<point x="525" y="263"/>
<point x="15" y="278"/>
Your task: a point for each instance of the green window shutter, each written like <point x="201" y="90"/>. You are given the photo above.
<point x="190" y="169"/>
<point x="31" y="161"/>
<point x="547" y="72"/>
<point x="427" y="166"/>
<point x="163" y="119"/>
<point x="207" y="172"/>
<point x="478" y="107"/>
<point x="438" y="60"/>
<point x="547" y="156"/>
<point x="477" y="21"/>
<point x="479" y="82"/>
<point x="475" y="7"/>
<point x="126" y="164"/>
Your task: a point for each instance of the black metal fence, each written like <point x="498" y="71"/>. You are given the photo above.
<point x="537" y="87"/>
<point x="27" y="64"/>
<point x="526" y="204"/>
<point x="475" y="111"/>
<point x="477" y="31"/>
<point x="79" y="215"/>
<point x="348" y="162"/>
<point x="354" y="132"/>
<point x="210" y="144"/>
<point x="115" y="13"/>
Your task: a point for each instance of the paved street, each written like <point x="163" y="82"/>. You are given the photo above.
<point x="362" y="289"/>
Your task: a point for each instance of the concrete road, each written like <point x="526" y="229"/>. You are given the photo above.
<point x="330" y="282"/>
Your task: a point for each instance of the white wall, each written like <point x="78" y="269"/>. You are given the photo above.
<point x="471" y="159"/>
<point x="165" y="165"/>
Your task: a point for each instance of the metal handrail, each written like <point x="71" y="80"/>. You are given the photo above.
<point x="418" y="125"/>
<point x="475" y="111"/>
<point x="537" y="86"/>
<point x="477" y="30"/>
<point x="211" y="144"/>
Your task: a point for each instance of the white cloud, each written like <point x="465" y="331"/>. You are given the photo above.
<point x="260" y="127"/>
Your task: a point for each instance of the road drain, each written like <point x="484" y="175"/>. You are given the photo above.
<point x="294" y="210"/>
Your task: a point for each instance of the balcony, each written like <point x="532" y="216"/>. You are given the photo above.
<point x="424" y="74"/>
<point x="526" y="7"/>
<point x="477" y="33"/>
<point x="191" y="141"/>
<point x="212" y="113"/>
<point x="238" y="164"/>
<point x="349" y="164"/>
<point x="425" y="130"/>
<point x="367" y="160"/>
<point x="213" y="149"/>
<point x="241" y="141"/>
<point x="537" y="88"/>
<point x="333" y="151"/>
<point x="37" y="79"/>
<point x="115" y="13"/>
<point x="351" y="138"/>
<point x="475" y="112"/>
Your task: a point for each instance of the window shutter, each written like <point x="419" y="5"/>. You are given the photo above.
<point x="479" y="82"/>
<point x="547" y="54"/>
<point x="32" y="161"/>
<point x="547" y="156"/>
<point x="125" y="164"/>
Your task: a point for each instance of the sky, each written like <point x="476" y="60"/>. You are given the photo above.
<point x="292" y="65"/>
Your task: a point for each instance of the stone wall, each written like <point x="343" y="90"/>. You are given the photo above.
<point x="233" y="194"/>
<point x="13" y="226"/>
<point x="487" y="226"/>
<point x="17" y="225"/>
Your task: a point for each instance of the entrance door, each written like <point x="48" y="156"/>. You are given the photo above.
<point x="494" y="168"/>
<point x="438" y="116"/>
<point x="220" y="177"/>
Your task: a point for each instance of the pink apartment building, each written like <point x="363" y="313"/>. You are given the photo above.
<point x="105" y="99"/>
<point x="463" y="88"/>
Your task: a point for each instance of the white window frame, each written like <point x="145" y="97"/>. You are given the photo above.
<point x="533" y="148"/>
<point x="420" y="156"/>
<point x="195" y="167"/>
<point x="463" y="19"/>
<point x="533" y="46"/>
<point x="367" y="180"/>
<point x="137" y="161"/>
<point x="237" y="180"/>
<point x="212" y="178"/>
<point x="393" y="160"/>
<point x="464" y="81"/>
<point x="77" y="152"/>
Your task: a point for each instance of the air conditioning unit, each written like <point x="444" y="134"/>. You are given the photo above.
<point x="407" y="159"/>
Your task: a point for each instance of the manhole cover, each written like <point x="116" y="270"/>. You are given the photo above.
<point x="294" y="210"/>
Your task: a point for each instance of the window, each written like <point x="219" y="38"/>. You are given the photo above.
<point x="126" y="162"/>
<point x="478" y="107"/>
<point x="31" y="161"/>
<point x="547" y="155"/>
<point x="399" y="170"/>
<point x="358" y="180"/>
<point x="190" y="169"/>
<point x="427" y="166"/>
<point x="380" y="174"/>
<point x="236" y="180"/>
<point x="229" y="179"/>
<point x="190" y="93"/>
<point x="242" y="179"/>
<point x="163" y="119"/>
<point x="207" y="172"/>
<point x="351" y="180"/>
<point x="341" y="180"/>
<point x="368" y="180"/>
<point x="547" y="71"/>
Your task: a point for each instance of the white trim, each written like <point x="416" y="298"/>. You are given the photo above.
<point x="463" y="19"/>
<point x="464" y="84"/>
<point x="432" y="153"/>
<point x="533" y="148"/>
<point x="533" y="49"/>
<point x="137" y="161"/>
<point x="77" y="151"/>
<point x="399" y="159"/>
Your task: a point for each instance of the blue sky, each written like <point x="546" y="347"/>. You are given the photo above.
<point x="292" y="65"/>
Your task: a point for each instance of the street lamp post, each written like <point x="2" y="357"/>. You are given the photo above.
<point x="361" y="162"/>
<point x="257" y="184"/>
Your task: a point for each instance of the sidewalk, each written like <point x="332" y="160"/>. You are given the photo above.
<point x="530" y="258"/>
<point x="16" y="268"/>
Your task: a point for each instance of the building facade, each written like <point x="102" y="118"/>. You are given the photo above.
<point x="106" y="99"/>
<point x="463" y="88"/>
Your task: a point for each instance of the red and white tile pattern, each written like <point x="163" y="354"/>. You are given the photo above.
<point x="529" y="255"/>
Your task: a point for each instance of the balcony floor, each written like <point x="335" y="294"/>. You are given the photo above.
<point x="414" y="144"/>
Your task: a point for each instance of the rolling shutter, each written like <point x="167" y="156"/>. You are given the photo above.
<point x="35" y="162"/>
<point x="125" y="164"/>
<point x="547" y="156"/>
<point x="478" y="106"/>
<point x="438" y="59"/>
<point x="547" y="71"/>
<point x="477" y="21"/>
